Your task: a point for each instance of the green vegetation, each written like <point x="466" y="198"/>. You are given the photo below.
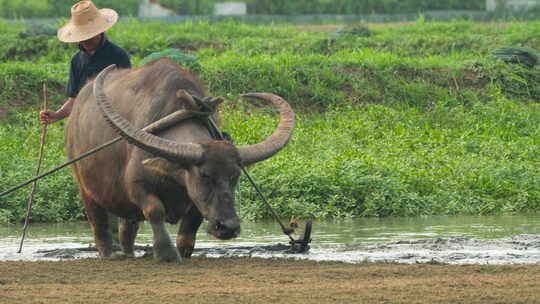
<point x="397" y="119"/>
<point x="55" y="8"/>
<point x="301" y="7"/>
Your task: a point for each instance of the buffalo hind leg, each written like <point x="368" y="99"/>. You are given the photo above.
<point x="185" y="239"/>
<point x="98" y="218"/>
<point x="127" y="231"/>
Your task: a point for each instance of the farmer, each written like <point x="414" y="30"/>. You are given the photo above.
<point x="87" y="27"/>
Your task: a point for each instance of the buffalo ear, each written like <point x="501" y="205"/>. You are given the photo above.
<point x="163" y="168"/>
<point x="189" y="103"/>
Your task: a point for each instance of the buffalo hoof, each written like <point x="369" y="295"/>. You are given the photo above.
<point x="119" y="255"/>
<point x="186" y="252"/>
<point x="167" y="255"/>
<point x="105" y="255"/>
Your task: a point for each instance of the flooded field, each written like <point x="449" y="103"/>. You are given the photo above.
<point x="447" y="240"/>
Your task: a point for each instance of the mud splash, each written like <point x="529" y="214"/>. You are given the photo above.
<point x="444" y="240"/>
<point x="522" y="249"/>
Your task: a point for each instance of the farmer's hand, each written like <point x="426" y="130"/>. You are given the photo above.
<point x="48" y="116"/>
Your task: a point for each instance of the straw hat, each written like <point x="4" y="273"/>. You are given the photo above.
<point x="86" y="22"/>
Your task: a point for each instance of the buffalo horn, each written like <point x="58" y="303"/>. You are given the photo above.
<point x="273" y="144"/>
<point x="189" y="153"/>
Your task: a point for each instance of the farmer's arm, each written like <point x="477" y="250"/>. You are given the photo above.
<point x="49" y="116"/>
<point x="72" y="89"/>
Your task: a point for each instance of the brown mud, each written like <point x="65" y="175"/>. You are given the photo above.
<point x="252" y="280"/>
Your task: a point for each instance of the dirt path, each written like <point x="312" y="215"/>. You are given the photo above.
<point x="237" y="280"/>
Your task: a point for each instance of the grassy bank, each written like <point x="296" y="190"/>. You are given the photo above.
<point x="407" y="64"/>
<point x="402" y="119"/>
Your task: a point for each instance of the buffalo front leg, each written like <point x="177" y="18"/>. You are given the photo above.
<point x="154" y="212"/>
<point x="185" y="239"/>
<point x="98" y="218"/>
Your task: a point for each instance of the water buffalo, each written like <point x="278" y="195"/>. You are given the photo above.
<point x="180" y="173"/>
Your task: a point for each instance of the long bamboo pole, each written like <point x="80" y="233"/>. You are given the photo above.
<point x="38" y="167"/>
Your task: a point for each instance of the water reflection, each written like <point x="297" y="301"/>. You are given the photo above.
<point x="348" y="240"/>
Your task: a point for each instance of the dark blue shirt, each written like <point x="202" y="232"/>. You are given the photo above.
<point x="85" y="67"/>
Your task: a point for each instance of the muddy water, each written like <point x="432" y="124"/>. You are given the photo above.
<point x="452" y="240"/>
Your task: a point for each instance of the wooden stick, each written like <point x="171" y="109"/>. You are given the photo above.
<point x="40" y="159"/>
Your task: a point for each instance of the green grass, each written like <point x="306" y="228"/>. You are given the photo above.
<point x="416" y="119"/>
<point x="378" y="161"/>
<point x="357" y="161"/>
<point x="57" y="198"/>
